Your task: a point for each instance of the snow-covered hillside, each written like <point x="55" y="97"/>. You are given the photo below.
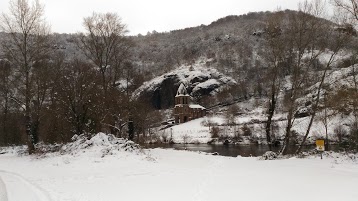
<point x="252" y="115"/>
<point x="197" y="131"/>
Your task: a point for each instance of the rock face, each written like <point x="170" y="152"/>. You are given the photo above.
<point x="163" y="95"/>
<point x="199" y="81"/>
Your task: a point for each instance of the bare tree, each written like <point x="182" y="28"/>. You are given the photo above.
<point x="349" y="9"/>
<point x="105" y="45"/>
<point x="326" y="114"/>
<point x="42" y="80"/>
<point x="305" y="35"/>
<point x="275" y="53"/>
<point x="349" y="6"/>
<point x="5" y="93"/>
<point x="337" y="41"/>
<point x="104" y="42"/>
<point x="79" y="96"/>
<point x="28" y="43"/>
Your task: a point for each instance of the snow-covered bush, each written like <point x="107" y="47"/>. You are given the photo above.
<point x="215" y="132"/>
<point x="107" y="144"/>
<point x="337" y="156"/>
<point x="47" y="148"/>
<point x="353" y="137"/>
<point x="186" y="138"/>
<point x="340" y="132"/>
<point x="246" y="131"/>
<point x="20" y="150"/>
<point x="208" y="122"/>
<point x="2" y="151"/>
<point x="269" y="155"/>
<point x="164" y="137"/>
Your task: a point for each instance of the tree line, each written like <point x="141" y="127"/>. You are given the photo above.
<point x="51" y="96"/>
<point x="293" y="44"/>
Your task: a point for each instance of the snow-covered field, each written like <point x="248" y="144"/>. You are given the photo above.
<point x="90" y="175"/>
<point x="197" y="130"/>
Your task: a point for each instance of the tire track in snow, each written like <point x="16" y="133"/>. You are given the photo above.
<point x="3" y="193"/>
<point x="39" y="193"/>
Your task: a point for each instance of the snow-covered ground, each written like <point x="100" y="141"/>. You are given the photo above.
<point x="3" y="191"/>
<point x="160" y="174"/>
<point x="198" y="130"/>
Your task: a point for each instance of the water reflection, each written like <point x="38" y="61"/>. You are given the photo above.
<point x="228" y="150"/>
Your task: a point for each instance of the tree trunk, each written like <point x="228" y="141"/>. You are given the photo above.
<point x="271" y="112"/>
<point x="307" y="133"/>
<point x="35" y="130"/>
<point x="326" y="127"/>
<point x="4" y="126"/>
<point x="315" y="106"/>
<point x="286" y="142"/>
<point x="28" y="123"/>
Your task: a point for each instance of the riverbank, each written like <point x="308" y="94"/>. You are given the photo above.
<point x="244" y="130"/>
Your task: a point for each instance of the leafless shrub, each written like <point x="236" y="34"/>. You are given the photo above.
<point x="246" y="130"/>
<point x="215" y="132"/>
<point x="186" y="138"/>
<point x="340" y="132"/>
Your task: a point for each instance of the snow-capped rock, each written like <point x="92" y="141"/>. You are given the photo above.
<point x="198" y="79"/>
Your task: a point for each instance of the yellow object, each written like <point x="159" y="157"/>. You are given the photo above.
<point x="320" y="145"/>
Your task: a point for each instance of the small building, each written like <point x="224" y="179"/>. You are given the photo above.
<point x="183" y="110"/>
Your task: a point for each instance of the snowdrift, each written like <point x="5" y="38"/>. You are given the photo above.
<point x="105" y="144"/>
<point x="98" y="145"/>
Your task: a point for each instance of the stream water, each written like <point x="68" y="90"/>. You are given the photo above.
<point x="230" y="150"/>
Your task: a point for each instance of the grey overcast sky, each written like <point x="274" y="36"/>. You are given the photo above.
<point x="141" y="16"/>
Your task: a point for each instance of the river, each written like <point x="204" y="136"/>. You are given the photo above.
<point x="230" y="150"/>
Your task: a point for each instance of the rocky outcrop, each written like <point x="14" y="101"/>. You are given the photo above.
<point x="199" y="81"/>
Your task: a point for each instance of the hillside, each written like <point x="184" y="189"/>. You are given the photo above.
<point x="233" y="45"/>
<point x="247" y="124"/>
